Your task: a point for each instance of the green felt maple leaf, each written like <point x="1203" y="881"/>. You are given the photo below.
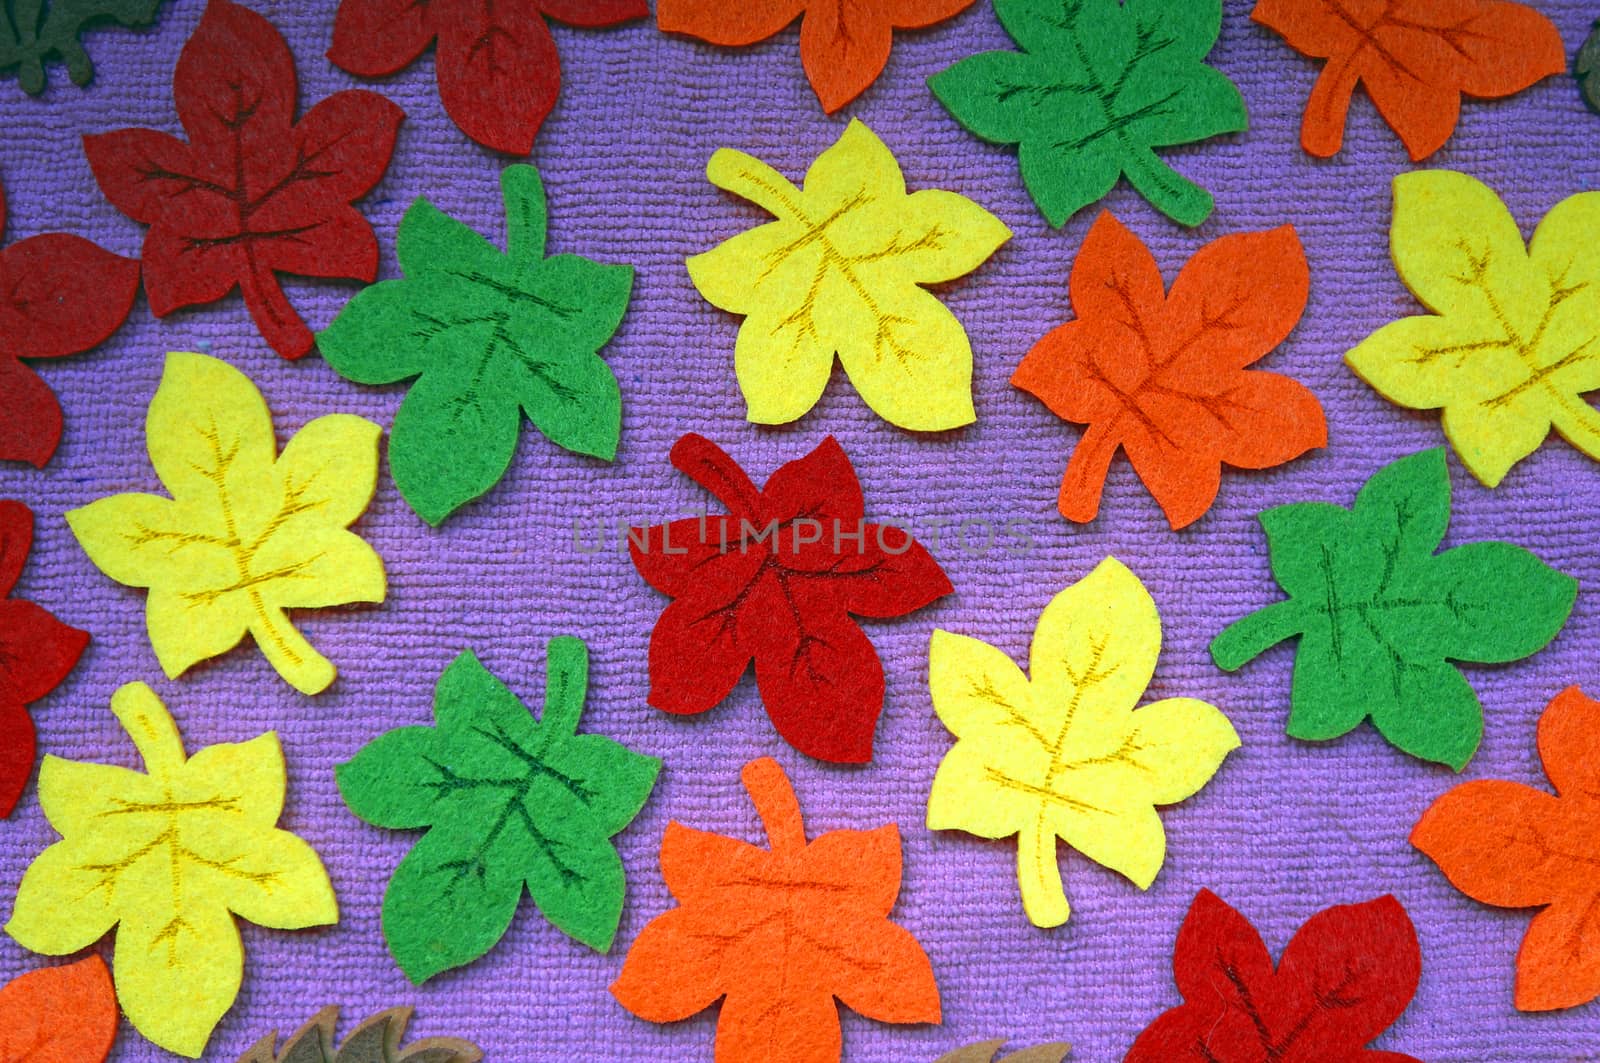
<point x="489" y="336"/>
<point x="1380" y="616"/>
<point x="1098" y="86"/>
<point x="377" y="1040"/>
<point x="507" y="801"/>
<point x="29" y="37"/>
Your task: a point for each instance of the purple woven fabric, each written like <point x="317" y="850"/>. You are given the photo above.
<point x="1285" y="829"/>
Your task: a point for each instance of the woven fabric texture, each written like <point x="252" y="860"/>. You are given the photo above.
<point x="1285" y="829"/>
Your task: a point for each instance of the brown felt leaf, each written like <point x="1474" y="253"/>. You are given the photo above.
<point x="375" y="1041"/>
<point x="984" y="1052"/>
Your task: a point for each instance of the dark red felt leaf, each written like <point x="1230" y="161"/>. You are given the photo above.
<point x="777" y="580"/>
<point x="253" y="193"/>
<point x="36" y="653"/>
<point x="498" y="71"/>
<point x="59" y="295"/>
<point x="1346" y="975"/>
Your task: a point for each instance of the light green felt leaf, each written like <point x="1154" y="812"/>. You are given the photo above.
<point x="1380" y="616"/>
<point x="491" y="337"/>
<point x="30" y="37"/>
<point x="509" y="802"/>
<point x="1099" y="85"/>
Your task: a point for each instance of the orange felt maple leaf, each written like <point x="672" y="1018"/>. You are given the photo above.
<point x="778" y="934"/>
<point x="844" y="44"/>
<point x="1417" y="58"/>
<point x="65" y="1014"/>
<point x="1513" y="846"/>
<point x="1163" y="375"/>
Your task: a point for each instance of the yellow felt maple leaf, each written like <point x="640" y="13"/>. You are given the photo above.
<point x="1064" y="754"/>
<point x="1514" y="338"/>
<point x="247" y="533"/>
<point x="840" y="271"/>
<point x="165" y="857"/>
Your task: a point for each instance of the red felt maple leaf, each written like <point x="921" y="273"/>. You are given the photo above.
<point x="498" y="70"/>
<point x="1514" y="846"/>
<point x="59" y="295"/>
<point x="253" y="193"/>
<point x="1346" y="975"/>
<point x="844" y="45"/>
<point x="777" y="580"/>
<point x="1163" y="376"/>
<point x="1417" y="58"/>
<point x="778" y="934"/>
<point x="36" y="653"/>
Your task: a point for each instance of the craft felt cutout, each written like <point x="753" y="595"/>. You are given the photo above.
<point x="1061" y="753"/>
<point x="1515" y="846"/>
<point x="1380" y="616"/>
<point x="843" y="46"/>
<point x="252" y="193"/>
<point x="498" y="70"/>
<point x="490" y="336"/>
<point x="59" y="295"/>
<point x="1586" y="68"/>
<point x="1098" y="86"/>
<point x="62" y="1014"/>
<point x="777" y="934"/>
<point x="1165" y="378"/>
<point x="778" y="579"/>
<point x="1416" y="59"/>
<point x="36" y="653"/>
<point x="30" y="37"/>
<point x="984" y="1052"/>
<point x="1513" y="340"/>
<point x="375" y="1041"/>
<point x="248" y="533"/>
<point x="507" y="800"/>
<point x="165" y="856"/>
<point x="842" y="270"/>
<point x="1345" y="976"/>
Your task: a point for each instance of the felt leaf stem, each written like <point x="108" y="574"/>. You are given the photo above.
<point x="36" y="32"/>
<point x="496" y="63"/>
<point x="1513" y="338"/>
<point x="248" y="533"/>
<point x="252" y="193"/>
<point x="37" y="651"/>
<point x="1061" y="753"/>
<point x="507" y="801"/>
<point x="376" y="1040"/>
<point x="1515" y="846"/>
<point x="778" y="934"/>
<point x="489" y="336"/>
<point x="842" y="269"/>
<point x="1164" y="376"/>
<point x="1344" y="977"/>
<point x="1096" y="88"/>
<point x="167" y="857"/>
<point x="843" y="46"/>
<point x="1416" y="59"/>
<point x="778" y="580"/>
<point x="59" y="295"/>
<point x="984" y="1052"/>
<point x="65" y="1014"/>
<point x="1380" y="617"/>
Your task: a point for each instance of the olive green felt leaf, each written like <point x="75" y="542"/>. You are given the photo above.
<point x="489" y="336"/>
<point x="984" y="1052"/>
<point x="29" y="37"/>
<point x="1586" y="68"/>
<point x="507" y="801"/>
<point x="375" y="1041"/>
<point x="1380" y="616"/>
<point x="1098" y="85"/>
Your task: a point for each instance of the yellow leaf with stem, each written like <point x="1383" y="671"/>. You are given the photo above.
<point x="1513" y="340"/>
<point x="247" y="533"/>
<point x="1063" y="754"/>
<point x="841" y="271"/>
<point x="165" y="857"/>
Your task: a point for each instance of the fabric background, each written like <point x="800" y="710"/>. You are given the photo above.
<point x="1286" y="828"/>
